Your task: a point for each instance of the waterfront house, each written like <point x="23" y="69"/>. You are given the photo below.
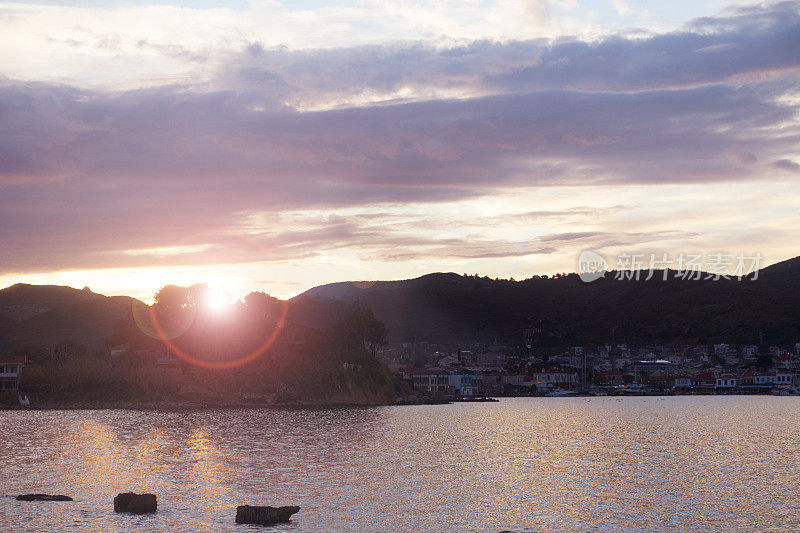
<point x="766" y="381"/>
<point x="432" y="381"/>
<point x="705" y="381"/>
<point x="554" y="378"/>
<point x="683" y="382"/>
<point x="485" y="383"/>
<point x="726" y="382"/>
<point x="747" y="382"/>
<point x="461" y="383"/>
<point x="11" y="371"/>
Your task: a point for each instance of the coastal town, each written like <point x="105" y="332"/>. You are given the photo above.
<point x="475" y="371"/>
<point x="483" y="370"/>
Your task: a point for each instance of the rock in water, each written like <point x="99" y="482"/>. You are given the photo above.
<point x="43" y="498"/>
<point x="264" y="515"/>
<point x="128" y="502"/>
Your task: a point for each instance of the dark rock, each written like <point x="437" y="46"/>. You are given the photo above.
<point x="128" y="502"/>
<point x="264" y="515"/>
<point x="43" y="498"/>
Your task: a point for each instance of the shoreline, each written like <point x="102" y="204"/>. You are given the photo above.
<point x="87" y="405"/>
<point x="179" y="406"/>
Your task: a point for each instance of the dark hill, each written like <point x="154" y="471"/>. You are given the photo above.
<point x="452" y="308"/>
<point x="447" y="307"/>
<point x="46" y="314"/>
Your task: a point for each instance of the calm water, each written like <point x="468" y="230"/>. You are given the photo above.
<point x="534" y="464"/>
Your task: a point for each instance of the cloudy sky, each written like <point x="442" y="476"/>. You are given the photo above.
<point x="267" y="145"/>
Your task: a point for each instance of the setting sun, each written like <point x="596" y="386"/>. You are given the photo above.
<point x="217" y="299"/>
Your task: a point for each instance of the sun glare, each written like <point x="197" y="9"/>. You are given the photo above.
<point x="217" y="300"/>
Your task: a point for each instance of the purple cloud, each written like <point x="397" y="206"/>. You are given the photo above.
<point x="86" y="174"/>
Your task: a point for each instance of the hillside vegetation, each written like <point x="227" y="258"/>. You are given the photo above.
<point x="452" y="308"/>
<point x="183" y="350"/>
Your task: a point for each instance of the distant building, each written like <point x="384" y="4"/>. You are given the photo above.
<point x="433" y="381"/>
<point x="449" y="360"/>
<point x="731" y="360"/>
<point x="555" y="378"/>
<point x="485" y="383"/>
<point x="11" y="371"/>
<point x="722" y="348"/>
<point x="726" y="382"/>
<point x="787" y="363"/>
<point x="461" y="384"/>
<point x="704" y="381"/>
<point x="750" y="352"/>
<point x="609" y="378"/>
<point x="767" y="380"/>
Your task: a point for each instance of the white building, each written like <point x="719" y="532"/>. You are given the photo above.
<point x="461" y="384"/>
<point x="11" y="371"/>
<point x="779" y="378"/>
<point x="726" y="382"/>
<point x="555" y="379"/>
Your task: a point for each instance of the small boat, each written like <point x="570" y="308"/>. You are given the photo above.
<point x="475" y="399"/>
<point x="631" y="389"/>
<point x="559" y="393"/>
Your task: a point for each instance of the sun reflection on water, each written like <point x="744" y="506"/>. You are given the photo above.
<point x="671" y="464"/>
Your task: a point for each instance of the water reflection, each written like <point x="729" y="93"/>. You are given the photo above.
<point x="600" y="464"/>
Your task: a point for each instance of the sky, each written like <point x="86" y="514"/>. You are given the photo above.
<point x="275" y="146"/>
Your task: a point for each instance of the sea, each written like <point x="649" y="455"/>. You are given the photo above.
<point x="679" y="463"/>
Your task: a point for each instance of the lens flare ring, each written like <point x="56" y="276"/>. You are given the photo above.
<point x="218" y="365"/>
